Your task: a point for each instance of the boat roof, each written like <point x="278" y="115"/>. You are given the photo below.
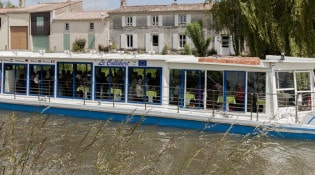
<point x="180" y="59"/>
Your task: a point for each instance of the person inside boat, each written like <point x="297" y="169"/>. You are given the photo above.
<point x="252" y="97"/>
<point x="175" y="90"/>
<point x="139" y="90"/>
<point x="21" y="84"/>
<point x="240" y="94"/>
<point x="133" y="84"/>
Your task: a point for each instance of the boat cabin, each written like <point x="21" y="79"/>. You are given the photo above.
<point x="228" y="84"/>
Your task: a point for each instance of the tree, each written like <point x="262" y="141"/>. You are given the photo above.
<point x="269" y="26"/>
<point x="1" y="5"/>
<point x="197" y="35"/>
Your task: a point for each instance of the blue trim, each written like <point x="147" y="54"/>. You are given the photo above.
<point x="289" y="133"/>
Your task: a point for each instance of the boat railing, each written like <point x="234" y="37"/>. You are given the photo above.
<point x="213" y="101"/>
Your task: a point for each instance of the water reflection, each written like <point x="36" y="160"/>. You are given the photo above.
<point x="62" y="145"/>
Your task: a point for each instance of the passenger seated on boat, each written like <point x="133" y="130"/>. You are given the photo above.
<point x="139" y="90"/>
<point x="175" y="89"/>
<point x="33" y="84"/>
<point x="21" y="84"/>
<point x="240" y="94"/>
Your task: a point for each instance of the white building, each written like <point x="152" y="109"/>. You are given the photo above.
<point x="151" y="27"/>
<point x="93" y="26"/>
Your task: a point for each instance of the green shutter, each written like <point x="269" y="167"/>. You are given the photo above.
<point x="66" y="41"/>
<point x="91" y="41"/>
<point x="41" y="43"/>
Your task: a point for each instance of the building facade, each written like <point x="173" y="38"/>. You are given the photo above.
<point x="55" y="27"/>
<point x="93" y="26"/>
<point x="151" y="28"/>
<point x="29" y="27"/>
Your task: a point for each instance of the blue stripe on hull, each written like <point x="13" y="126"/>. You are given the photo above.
<point x="159" y="121"/>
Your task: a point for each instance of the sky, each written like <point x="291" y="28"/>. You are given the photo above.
<point x="107" y="4"/>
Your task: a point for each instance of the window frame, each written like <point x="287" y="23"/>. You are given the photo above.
<point x="182" y="40"/>
<point x="40" y="21"/>
<point x="225" y="41"/>
<point x="182" y="19"/>
<point x="67" y="26"/>
<point x="129" y="38"/>
<point x="91" y="26"/>
<point x="155" y="20"/>
<point x="129" y="21"/>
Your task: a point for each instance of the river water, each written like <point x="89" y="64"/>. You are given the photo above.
<point x="41" y="144"/>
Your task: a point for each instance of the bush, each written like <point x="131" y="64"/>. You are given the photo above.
<point x="78" y="45"/>
<point x="187" y="50"/>
<point x="102" y="48"/>
<point x="165" y="50"/>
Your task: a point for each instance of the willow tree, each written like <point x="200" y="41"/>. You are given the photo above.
<point x="269" y="26"/>
<point x="197" y="35"/>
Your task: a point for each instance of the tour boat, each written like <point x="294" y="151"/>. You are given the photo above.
<point x="273" y="96"/>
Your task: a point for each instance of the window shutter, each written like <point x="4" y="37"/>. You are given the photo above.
<point x="189" y="42"/>
<point x="149" y="19"/>
<point x="134" y="21"/>
<point x="148" y="44"/>
<point x="160" y="20"/>
<point x="123" y="41"/>
<point x="176" y="20"/>
<point x="188" y="19"/>
<point x="123" y="21"/>
<point x="161" y="42"/>
<point x="135" y="41"/>
<point x="175" y="41"/>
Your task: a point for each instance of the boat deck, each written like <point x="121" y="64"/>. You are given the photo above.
<point x="140" y="109"/>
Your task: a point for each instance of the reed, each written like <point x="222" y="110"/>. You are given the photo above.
<point x="41" y="144"/>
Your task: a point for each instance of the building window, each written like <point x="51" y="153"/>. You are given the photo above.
<point x="129" y="41"/>
<point x="182" y="19"/>
<point x="129" y="21"/>
<point x="155" y="40"/>
<point x="182" y="40"/>
<point x="91" y="26"/>
<point x="66" y="26"/>
<point x="225" y="41"/>
<point x="39" y="21"/>
<point x="155" y="20"/>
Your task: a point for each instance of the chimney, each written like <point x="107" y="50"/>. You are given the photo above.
<point x="122" y="3"/>
<point x="22" y="3"/>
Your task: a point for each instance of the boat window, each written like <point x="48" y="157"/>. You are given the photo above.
<point x="1" y="73"/>
<point x="15" y="78"/>
<point x="303" y="87"/>
<point x="234" y="88"/>
<point x="110" y="83"/>
<point x="174" y="87"/>
<point x="214" y="89"/>
<point x="285" y="89"/>
<point x="187" y="88"/>
<point x="256" y="91"/>
<point x="41" y="80"/>
<point x="285" y="80"/>
<point x="144" y="85"/>
<point x="74" y="80"/>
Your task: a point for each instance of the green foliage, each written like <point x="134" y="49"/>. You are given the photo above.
<point x="1" y="5"/>
<point x="78" y="45"/>
<point x="165" y="50"/>
<point x="187" y="50"/>
<point x="102" y="48"/>
<point x="197" y="35"/>
<point x="268" y="27"/>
